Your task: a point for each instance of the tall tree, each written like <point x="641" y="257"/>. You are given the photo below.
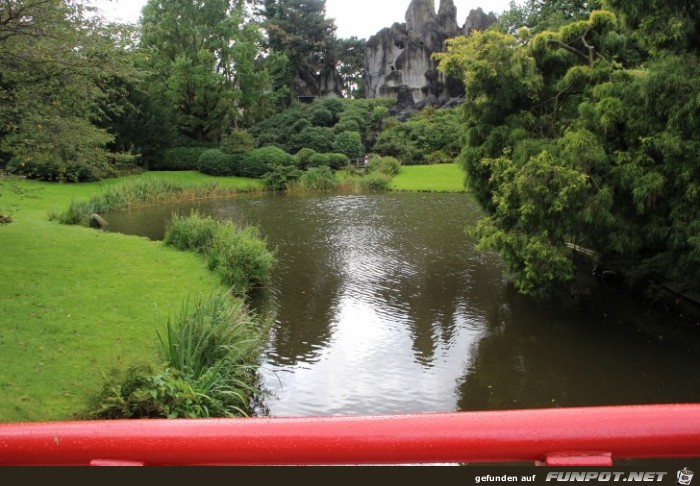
<point x="300" y="30"/>
<point x="206" y="58"/>
<point x="54" y="60"/>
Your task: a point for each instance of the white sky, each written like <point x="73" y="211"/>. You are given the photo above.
<point x="361" y="18"/>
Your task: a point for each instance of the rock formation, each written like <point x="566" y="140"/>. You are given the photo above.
<point x="398" y="59"/>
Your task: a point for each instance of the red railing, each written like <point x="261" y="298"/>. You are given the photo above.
<point x="573" y="436"/>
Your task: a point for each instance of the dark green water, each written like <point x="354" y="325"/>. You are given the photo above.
<point x="383" y="306"/>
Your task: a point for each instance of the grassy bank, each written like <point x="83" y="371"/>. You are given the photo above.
<point x="429" y="178"/>
<point x="75" y="302"/>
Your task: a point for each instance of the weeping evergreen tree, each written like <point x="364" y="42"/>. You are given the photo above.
<point x="587" y="136"/>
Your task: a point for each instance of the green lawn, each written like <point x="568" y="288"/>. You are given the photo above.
<point x="429" y="178"/>
<point x="75" y="302"/>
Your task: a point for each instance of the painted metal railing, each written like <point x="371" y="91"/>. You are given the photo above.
<point x="571" y="436"/>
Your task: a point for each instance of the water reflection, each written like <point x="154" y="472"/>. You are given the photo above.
<point x="383" y="306"/>
<point x="582" y="354"/>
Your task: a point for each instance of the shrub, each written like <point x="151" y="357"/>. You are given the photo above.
<point x="439" y="157"/>
<point x="237" y="142"/>
<point x="179" y="158"/>
<point x="261" y="161"/>
<point x="210" y="353"/>
<point x="278" y="178"/>
<point x="304" y="157"/>
<point x="375" y="181"/>
<point x="240" y="257"/>
<point x="320" y="117"/>
<point x="383" y="165"/>
<point x="61" y="171"/>
<point x="337" y="161"/>
<point x="317" y="179"/>
<point x="347" y="125"/>
<point x="350" y="144"/>
<point x="217" y="163"/>
<point x="319" y="160"/>
<point x="55" y="148"/>
<point x="193" y="233"/>
<point x="319" y="139"/>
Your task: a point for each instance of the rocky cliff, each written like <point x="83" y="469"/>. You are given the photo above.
<point x="398" y="58"/>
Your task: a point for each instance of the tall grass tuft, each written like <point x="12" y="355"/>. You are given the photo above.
<point x="209" y="368"/>
<point x="191" y="233"/>
<point x="239" y="255"/>
<point x="314" y="179"/>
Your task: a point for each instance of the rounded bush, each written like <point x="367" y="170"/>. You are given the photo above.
<point x="238" y="142"/>
<point x="217" y="163"/>
<point x="383" y="165"/>
<point x="304" y="156"/>
<point x="350" y="144"/>
<point x="260" y="161"/>
<point x="319" y="139"/>
<point x="337" y="161"/>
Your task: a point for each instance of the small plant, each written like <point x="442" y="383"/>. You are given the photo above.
<point x="278" y="178"/>
<point x="209" y="369"/>
<point x="375" y="181"/>
<point x="383" y="165"/>
<point x="191" y="233"/>
<point x="239" y="255"/>
<point x="317" y="179"/>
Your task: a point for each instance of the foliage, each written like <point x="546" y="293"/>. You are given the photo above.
<point x="349" y="144"/>
<point x="54" y="60"/>
<point x="376" y="181"/>
<point x="237" y="142"/>
<point x="260" y="161"/>
<point x="299" y="30"/>
<point x="210" y="353"/>
<point x="238" y="255"/>
<point x="179" y="158"/>
<point x="425" y="133"/>
<point x="143" y="192"/>
<point x="292" y="130"/>
<point x="538" y="15"/>
<point x="218" y="163"/>
<point x="278" y="178"/>
<point x="315" y="179"/>
<point x="320" y="139"/>
<point x="205" y="59"/>
<point x="570" y="142"/>
<point x="383" y="165"/>
<point x="304" y="158"/>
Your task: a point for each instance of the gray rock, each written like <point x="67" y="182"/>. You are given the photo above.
<point x="96" y="221"/>
<point x="399" y="58"/>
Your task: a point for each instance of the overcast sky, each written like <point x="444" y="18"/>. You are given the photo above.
<point x="361" y="18"/>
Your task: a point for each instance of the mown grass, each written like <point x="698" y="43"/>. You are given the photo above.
<point x="75" y="303"/>
<point x="429" y="178"/>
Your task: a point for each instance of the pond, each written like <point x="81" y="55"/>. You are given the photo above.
<point x="383" y="305"/>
